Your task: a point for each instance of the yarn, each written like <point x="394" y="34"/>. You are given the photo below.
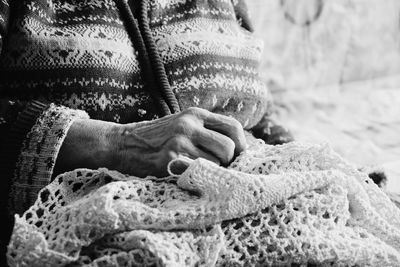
<point x="292" y="204"/>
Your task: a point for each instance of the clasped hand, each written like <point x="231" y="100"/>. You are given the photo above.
<point x="146" y="148"/>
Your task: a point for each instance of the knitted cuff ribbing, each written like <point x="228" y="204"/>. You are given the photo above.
<point x="38" y="154"/>
<point x="20" y="128"/>
<point x="10" y="148"/>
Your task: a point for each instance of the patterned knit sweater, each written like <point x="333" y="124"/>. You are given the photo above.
<point x="115" y="60"/>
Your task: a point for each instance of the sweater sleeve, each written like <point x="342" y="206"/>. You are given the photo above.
<point x="34" y="140"/>
<point x="31" y="134"/>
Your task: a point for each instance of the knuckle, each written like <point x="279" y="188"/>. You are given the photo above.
<point x="177" y="142"/>
<point x="183" y="124"/>
<point x="235" y="124"/>
<point x="186" y="124"/>
<point x="191" y="110"/>
<point x="194" y="111"/>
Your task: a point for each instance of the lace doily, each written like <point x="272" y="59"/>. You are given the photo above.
<point x="293" y="204"/>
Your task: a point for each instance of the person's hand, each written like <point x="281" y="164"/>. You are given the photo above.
<point x="146" y="148"/>
<point x="271" y="132"/>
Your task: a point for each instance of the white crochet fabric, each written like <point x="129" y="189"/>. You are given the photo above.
<point x="294" y="204"/>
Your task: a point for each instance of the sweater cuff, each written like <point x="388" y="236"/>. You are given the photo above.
<point x="38" y="154"/>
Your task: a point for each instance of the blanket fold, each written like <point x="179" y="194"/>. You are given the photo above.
<point x="274" y="205"/>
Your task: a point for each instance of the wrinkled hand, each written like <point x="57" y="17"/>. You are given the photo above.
<point x="146" y="148"/>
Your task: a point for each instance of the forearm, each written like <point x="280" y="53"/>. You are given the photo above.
<point x="88" y="144"/>
<point x="134" y="148"/>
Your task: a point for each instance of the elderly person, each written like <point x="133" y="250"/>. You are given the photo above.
<point x="113" y="83"/>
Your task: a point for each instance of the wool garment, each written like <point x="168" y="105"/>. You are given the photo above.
<point x="62" y="60"/>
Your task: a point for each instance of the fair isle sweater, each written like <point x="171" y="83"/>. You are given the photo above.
<point x="115" y="60"/>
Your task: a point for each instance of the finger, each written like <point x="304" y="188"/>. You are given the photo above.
<point x="215" y="143"/>
<point x="177" y="167"/>
<point x="189" y="150"/>
<point x="198" y="153"/>
<point x="229" y="127"/>
<point x="182" y="145"/>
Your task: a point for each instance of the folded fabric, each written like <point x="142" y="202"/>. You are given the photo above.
<point x="274" y="205"/>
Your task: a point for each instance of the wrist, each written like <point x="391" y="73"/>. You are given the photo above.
<point x="88" y="144"/>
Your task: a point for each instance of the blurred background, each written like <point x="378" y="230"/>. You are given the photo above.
<point x="334" y="70"/>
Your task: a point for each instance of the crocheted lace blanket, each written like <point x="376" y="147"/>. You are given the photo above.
<point x="294" y="204"/>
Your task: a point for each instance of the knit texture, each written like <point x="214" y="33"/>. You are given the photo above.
<point x="87" y="56"/>
<point x="38" y="154"/>
<point x="19" y="119"/>
<point x="294" y="204"/>
<point x="80" y="55"/>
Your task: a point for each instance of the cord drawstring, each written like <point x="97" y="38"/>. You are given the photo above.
<point x="155" y="59"/>
<point x="152" y="67"/>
